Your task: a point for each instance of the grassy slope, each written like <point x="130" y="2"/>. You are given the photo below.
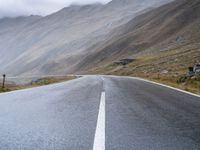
<point x="39" y="82"/>
<point x="167" y="67"/>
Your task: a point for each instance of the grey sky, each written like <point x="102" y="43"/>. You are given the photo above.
<point x="12" y="8"/>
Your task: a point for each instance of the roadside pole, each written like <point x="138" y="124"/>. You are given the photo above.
<point x="4" y="79"/>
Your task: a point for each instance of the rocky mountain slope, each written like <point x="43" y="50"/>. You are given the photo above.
<point x="161" y="44"/>
<point x="57" y="44"/>
<point x="165" y="28"/>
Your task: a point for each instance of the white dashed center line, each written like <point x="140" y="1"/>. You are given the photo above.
<point x="99" y="140"/>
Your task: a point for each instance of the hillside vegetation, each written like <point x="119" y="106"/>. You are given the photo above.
<point x="168" y="67"/>
<point x="165" y="28"/>
<point x="163" y="43"/>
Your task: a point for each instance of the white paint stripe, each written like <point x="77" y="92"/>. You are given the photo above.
<point x="167" y="86"/>
<point x="160" y="84"/>
<point x="99" y="139"/>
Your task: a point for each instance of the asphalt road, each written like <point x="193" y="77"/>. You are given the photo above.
<point x="97" y="113"/>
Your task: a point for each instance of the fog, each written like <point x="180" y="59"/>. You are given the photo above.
<point x="13" y="8"/>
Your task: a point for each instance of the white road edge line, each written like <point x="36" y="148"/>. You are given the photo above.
<point x="167" y="86"/>
<point x="160" y="84"/>
<point x="99" y="139"/>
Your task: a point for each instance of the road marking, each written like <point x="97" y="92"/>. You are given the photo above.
<point x="160" y="84"/>
<point x="99" y="139"/>
<point x="103" y="85"/>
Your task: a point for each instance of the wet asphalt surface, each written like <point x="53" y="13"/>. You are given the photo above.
<point x="139" y="116"/>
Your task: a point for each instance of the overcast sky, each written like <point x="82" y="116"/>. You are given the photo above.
<point x="12" y="8"/>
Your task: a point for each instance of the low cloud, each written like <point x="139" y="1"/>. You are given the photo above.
<point x="13" y="8"/>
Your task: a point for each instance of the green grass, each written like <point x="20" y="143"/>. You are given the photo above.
<point x="4" y="90"/>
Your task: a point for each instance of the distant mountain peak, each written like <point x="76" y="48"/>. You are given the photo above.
<point x="81" y="5"/>
<point x="122" y="2"/>
<point x="78" y="7"/>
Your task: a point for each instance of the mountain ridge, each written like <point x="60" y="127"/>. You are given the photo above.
<point x="160" y="29"/>
<point x="54" y="44"/>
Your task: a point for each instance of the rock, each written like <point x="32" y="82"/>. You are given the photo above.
<point x="164" y="72"/>
<point x="124" y="61"/>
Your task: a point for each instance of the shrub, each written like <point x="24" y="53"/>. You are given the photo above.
<point x="182" y="79"/>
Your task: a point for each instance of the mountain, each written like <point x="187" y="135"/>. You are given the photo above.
<point x="56" y="44"/>
<point x="168" y="27"/>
